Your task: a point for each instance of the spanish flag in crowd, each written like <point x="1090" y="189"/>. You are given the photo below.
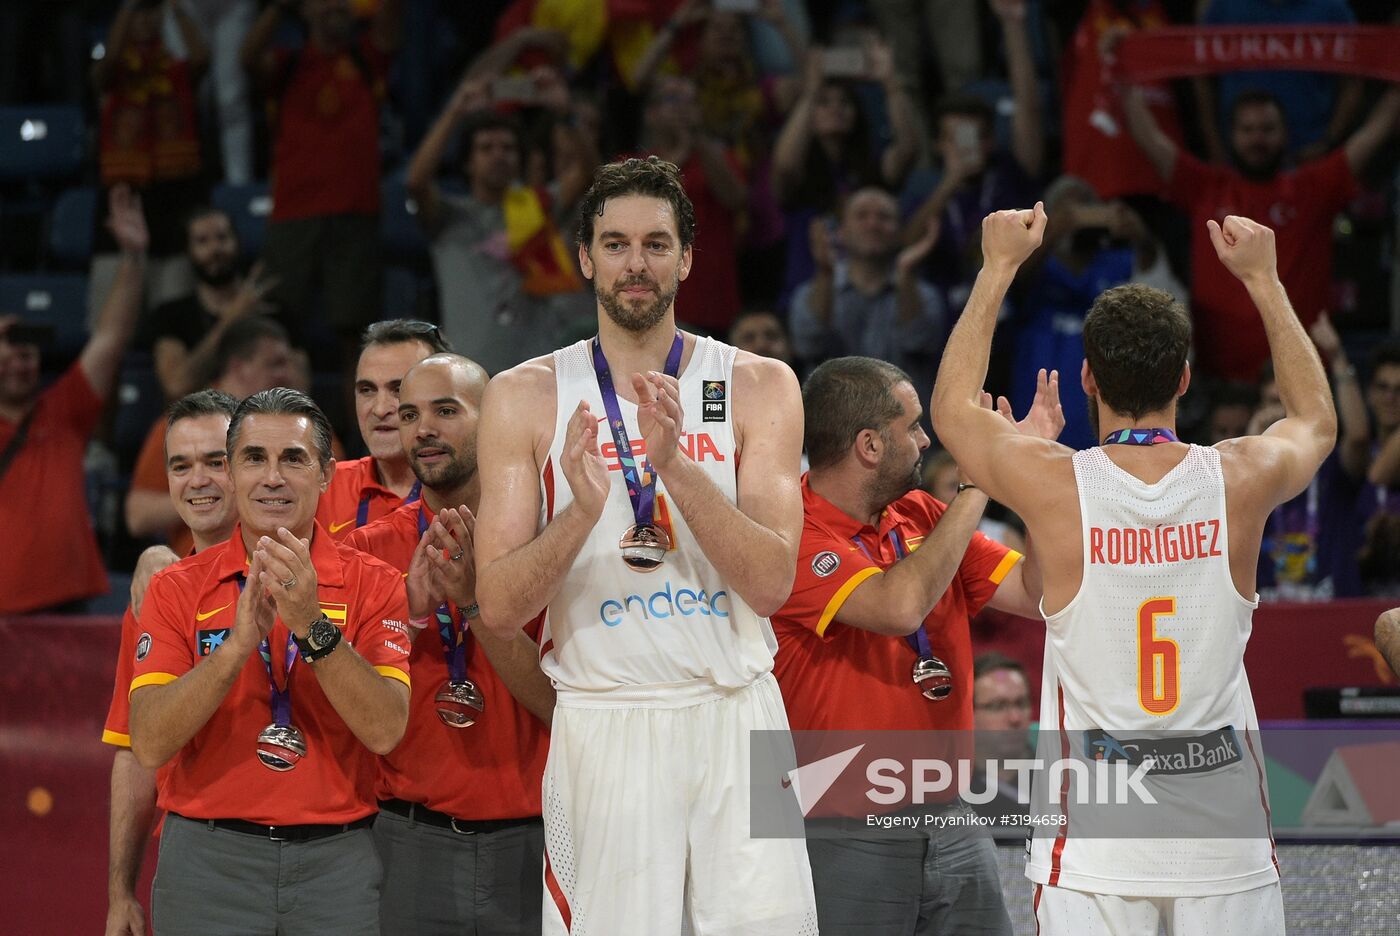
<point x="536" y="249"/>
<point x="626" y="27"/>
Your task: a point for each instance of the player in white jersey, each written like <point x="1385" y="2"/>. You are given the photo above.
<point x="1149" y="552"/>
<point x="641" y="488"/>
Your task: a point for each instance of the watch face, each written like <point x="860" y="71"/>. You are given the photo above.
<point x="322" y="632"/>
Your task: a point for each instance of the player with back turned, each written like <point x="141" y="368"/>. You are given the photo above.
<point x="642" y="489"/>
<point x="1149" y="548"/>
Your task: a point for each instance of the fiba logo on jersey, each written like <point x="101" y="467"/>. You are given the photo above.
<point x="712" y="401"/>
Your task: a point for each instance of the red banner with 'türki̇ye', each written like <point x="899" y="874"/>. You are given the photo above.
<point x="1180" y="51"/>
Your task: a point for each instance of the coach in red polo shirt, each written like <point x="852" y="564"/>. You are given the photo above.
<point x="462" y="804"/>
<point x="1299" y="203"/>
<point x="271" y="668"/>
<point x="366" y="489"/>
<point x="886" y="577"/>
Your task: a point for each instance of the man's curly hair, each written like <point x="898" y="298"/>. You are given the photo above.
<point x="651" y="176"/>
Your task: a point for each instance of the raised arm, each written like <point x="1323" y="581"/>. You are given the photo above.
<point x="102" y="355"/>
<point x="1010" y="466"/>
<point x="752" y="543"/>
<point x="790" y="149"/>
<point x="904" y="143"/>
<point x="1027" y="135"/>
<point x="1354" y="446"/>
<point x="518" y="571"/>
<point x="1282" y="461"/>
<point x="256" y="55"/>
<point x="1159" y="148"/>
<point x="421" y="178"/>
<point x="196" y="49"/>
<point x="1362" y="144"/>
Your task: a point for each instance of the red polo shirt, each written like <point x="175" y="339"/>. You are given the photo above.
<point x="355" y="497"/>
<point x="325" y="158"/>
<point x="50" y="554"/>
<point x="836" y="677"/>
<point x="189" y="610"/>
<point x="1300" y="206"/>
<point x="492" y="770"/>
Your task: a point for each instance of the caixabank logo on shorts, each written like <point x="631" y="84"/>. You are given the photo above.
<point x="713" y="401"/>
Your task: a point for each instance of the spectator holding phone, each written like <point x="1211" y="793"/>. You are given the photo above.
<point x="506" y="283"/>
<point x="43" y="435"/>
<point x="825" y="150"/>
<point x="978" y="177"/>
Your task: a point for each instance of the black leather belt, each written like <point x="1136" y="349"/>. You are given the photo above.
<point x="284" y="833"/>
<point x="417" y="812"/>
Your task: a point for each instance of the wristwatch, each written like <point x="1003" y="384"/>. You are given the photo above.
<point x="321" y="638"/>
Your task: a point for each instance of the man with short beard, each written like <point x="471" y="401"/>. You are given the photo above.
<point x="465" y="803"/>
<point x="694" y="502"/>
<point x="1298" y="203"/>
<point x="888" y="578"/>
<point x="196" y="469"/>
<point x="184" y="333"/>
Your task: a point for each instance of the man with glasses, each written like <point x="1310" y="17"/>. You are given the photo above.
<point x="1001" y="714"/>
<point x="367" y="488"/>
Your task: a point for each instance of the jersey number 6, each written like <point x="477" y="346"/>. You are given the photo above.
<point x="1158" y="689"/>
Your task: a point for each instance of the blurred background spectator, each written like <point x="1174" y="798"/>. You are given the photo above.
<point x="298" y="172"/>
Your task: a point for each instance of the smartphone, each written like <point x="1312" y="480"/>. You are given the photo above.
<point x="519" y="89"/>
<point x="29" y="333"/>
<point x="968" y="139"/>
<point x="735" y="6"/>
<point x="1094" y="216"/>
<point x="844" y="62"/>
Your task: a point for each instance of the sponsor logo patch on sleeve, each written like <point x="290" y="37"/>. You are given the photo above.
<point x="825" y="563"/>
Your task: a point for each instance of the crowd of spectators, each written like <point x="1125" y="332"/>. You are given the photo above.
<point x="840" y="155"/>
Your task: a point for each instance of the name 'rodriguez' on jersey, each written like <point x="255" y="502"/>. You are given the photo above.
<point x="1154" y="545"/>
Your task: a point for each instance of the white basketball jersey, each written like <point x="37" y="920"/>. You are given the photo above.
<point x="1154" y="641"/>
<point x="675" y="634"/>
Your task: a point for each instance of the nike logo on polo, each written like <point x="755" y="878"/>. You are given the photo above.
<point x="337" y="527"/>
<point x="206" y="615"/>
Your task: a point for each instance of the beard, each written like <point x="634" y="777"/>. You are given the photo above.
<point x="891" y="483"/>
<point x="642" y="316"/>
<point x="216" y="273"/>
<point x="1262" y="170"/>
<point x="449" y="475"/>
<point x="1093" y="404"/>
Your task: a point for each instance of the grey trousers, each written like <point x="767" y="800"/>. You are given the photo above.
<point x="933" y="881"/>
<point x="214" y="882"/>
<point x="437" y="881"/>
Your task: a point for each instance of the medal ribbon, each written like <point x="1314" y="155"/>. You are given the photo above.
<point x="362" y="512"/>
<point x="642" y="494"/>
<point x="454" y="641"/>
<point x="1140" y="437"/>
<point x="919" y="639"/>
<point x="281" y="699"/>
